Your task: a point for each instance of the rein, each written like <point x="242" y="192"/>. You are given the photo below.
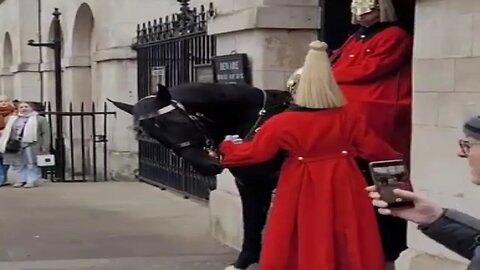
<point x="261" y="114"/>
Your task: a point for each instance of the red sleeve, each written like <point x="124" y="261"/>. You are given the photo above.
<point x="264" y="146"/>
<point x="368" y="145"/>
<point x="390" y="53"/>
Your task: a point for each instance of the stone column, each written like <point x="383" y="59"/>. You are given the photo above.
<point x="26" y="81"/>
<point x="275" y="34"/>
<point x="6" y="83"/>
<point x="446" y="92"/>
<point x="48" y="76"/>
<point x="77" y="82"/>
<point x="118" y="81"/>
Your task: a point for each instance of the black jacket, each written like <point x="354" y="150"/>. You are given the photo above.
<point x="460" y="233"/>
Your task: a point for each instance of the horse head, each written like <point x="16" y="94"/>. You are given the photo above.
<point x="166" y="120"/>
<point x="224" y="109"/>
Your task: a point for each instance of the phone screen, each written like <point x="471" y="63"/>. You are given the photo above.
<point x="388" y="176"/>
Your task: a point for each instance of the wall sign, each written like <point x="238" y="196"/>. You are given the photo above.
<point x="159" y="76"/>
<point x="204" y="73"/>
<point x="231" y="69"/>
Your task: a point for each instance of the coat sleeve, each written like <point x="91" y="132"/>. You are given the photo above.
<point x="44" y="133"/>
<point x="389" y="54"/>
<point x="368" y="145"/>
<point x="457" y="231"/>
<point x="265" y="145"/>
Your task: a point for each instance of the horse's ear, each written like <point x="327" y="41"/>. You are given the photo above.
<point x="163" y="94"/>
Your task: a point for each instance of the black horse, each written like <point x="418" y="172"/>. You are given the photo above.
<point x="191" y="118"/>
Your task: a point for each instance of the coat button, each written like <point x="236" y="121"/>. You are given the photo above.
<point x="351" y="55"/>
<point x="363" y="36"/>
<point x="344" y="152"/>
<point x="368" y="50"/>
<point x="300" y="158"/>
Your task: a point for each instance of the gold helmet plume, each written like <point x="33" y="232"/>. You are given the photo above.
<point x="293" y="80"/>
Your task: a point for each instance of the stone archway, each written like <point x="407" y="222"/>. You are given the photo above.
<point x="7" y="51"/>
<point x="6" y="81"/>
<point x="80" y="65"/>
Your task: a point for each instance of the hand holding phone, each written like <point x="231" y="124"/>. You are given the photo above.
<point x="389" y="175"/>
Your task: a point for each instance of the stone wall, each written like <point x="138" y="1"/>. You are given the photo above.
<point x="446" y="92"/>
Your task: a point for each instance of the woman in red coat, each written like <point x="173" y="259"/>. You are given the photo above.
<point x="321" y="218"/>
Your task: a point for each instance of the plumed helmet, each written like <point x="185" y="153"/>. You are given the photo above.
<point x="386" y="8"/>
<point x="360" y="7"/>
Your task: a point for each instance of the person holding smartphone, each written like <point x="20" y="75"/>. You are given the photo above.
<point x="455" y="230"/>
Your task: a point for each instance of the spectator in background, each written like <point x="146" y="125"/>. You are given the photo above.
<point x="6" y="110"/>
<point x="25" y="136"/>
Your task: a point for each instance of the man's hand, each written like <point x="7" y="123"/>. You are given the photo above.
<point x="423" y="213"/>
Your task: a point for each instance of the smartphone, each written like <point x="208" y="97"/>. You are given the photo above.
<point x="389" y="175"/>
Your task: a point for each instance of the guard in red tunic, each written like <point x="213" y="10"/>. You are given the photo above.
<point x="321" y="218"/>
<point x="373" y="69"/>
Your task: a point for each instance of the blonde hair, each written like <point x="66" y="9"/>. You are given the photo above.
<point x="317" y="89"/>
<point x="4" y="98"/>
<point x="387" y="12"/>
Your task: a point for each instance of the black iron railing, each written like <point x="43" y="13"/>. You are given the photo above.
<point x="168" y="52"/>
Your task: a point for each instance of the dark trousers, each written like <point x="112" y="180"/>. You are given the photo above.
<point x="256" y="196"/>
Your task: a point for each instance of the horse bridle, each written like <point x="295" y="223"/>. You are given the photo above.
<point x="261" y="115"/>
<point x="195" y="120"/>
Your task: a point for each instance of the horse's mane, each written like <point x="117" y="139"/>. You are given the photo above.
<point x="218" y="94"/>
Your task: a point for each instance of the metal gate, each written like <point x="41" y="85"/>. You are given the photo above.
<point x="86" y="143"/>
<point x="172" y="51"/>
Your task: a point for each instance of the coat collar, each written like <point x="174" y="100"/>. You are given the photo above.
<point x="366" y="33"/>
<point x="297" y="108"/>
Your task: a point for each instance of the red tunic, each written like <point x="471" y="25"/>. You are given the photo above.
<point x="374" y="73"/>
<point x="321" y="218"/>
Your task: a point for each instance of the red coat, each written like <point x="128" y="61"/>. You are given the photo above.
<point x="322" y="218"/>
<point x="375" y="75"/>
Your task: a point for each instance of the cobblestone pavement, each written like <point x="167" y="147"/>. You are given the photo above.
<point x="105" y="226"/>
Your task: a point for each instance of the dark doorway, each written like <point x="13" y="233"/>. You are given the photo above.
<point x="336" y="20"/>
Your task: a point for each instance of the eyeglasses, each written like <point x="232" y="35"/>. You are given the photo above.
<point x="465" y="146"/>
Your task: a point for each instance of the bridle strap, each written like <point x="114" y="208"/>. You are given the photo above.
<point x="261" y="114"/>
<point x="166" y="109"/>
<point x="196" y="122"/>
